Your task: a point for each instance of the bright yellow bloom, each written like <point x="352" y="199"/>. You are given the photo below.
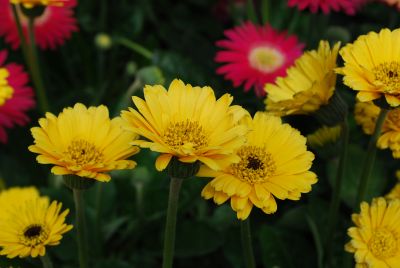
<point x="308" y="85"/>
<point x="274" y="163"/>
<point x="366" y="114"/>
<point x="323" y="136"/>
<point x="188" y="123"/>
<point x="6" y="91"/>
<point x="372" y="66"/>
<point x="375" y="240"/>
<point x="29" y="223"/>
<point x="33" y="3"/>
<point x="83" y="141"/>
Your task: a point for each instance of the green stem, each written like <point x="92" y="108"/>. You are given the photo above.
<point x="369" y="161"/>
<point x="80" y="224"/>
<point x="251" y="12"/>
<point x="247" y="243"/>
<point x="135" y="47"/>
<point x="46" y="261"/>
<point x="98" y="223"/>
<point x="21" y="35"/>
<point x="169" y="239"/>
<point x="334" y="207"/>
<point x="265" y="11"/>
<point x="35" y="68"/>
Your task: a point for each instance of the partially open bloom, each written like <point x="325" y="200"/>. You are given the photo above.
<point x="274" y="163"/>
<point x="51" y="28"/>
<point x="348" y="6"/>
<point x="324" y="135"/>
<point x="308" y="85"/>
<point x="16" y="98"/>
<point x="375" y="237"/>
<point x="187" y="123"/>
<point x="84" y="142"/>
<point x="254" y="55"/>
<point x="366" y="114"/>
<point x="29" y="223"/>
<point x="372" y="66"/>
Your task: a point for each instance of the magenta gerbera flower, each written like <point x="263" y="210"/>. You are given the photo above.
<point x="15" y="96"/>
<point x="52" y="28"/>
<point x="255" y="55"/>
<point x="347" y="6"/>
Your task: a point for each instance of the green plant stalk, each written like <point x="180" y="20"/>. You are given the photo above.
<point x="35" y="68"/>
<point x="251" y="12"/>
<point x="265" y="11"/>
<point x="98" y="223"/>
<point x="247" y="243"/>
<point x="369" y="161"/>
<point x="21" y="35"/>
<point x="80" y="224"/>
<point x="334" y="207"/>
<point x="170" y="227"/>
<point x="46" y="262"/>
<point x="141" y="50"/>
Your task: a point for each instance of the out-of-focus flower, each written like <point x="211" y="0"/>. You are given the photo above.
<point x="83" y="142"/>
<point x="372" y="66"/>
<point x="51" y="28"/>
<point x="323" y="136"/>
<point x="308" y="85"/>
<point x="187" y="123"/>
<point x="16" y="98"/>
<point x="395" y="3"/>
<point x="271" y="166"/>
<point x="29" y="223"/>
<point x="103" y="41"/>
<point x="375" y="236"/>
<point x="255" y="55"/>
<point x="348" y="6"/>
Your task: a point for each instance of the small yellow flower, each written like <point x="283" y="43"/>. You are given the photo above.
<point x="375" y="239"/>
<point x="308" y="85"/>
<point x="187" y="123"/>
<point x="323" y="136"/>
<point x="372" y="66"/>
<point x="366" y="114"/>
<point x="84" y="142"/>
<point x="33" y="3"/>
<point x="29" y="223"/>
<point x="274" y="163"/>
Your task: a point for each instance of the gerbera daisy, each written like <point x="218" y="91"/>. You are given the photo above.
<point x="348" y="6"/>
<point x="366" y="114"/>
<point x="372" y="66"/>
<point x="31" y="224"/>
<point x="308" y="85"/>
<point x="274" y="163"/>
<point x="375" y="238"/>
<point x="188" y="123"/>
<point x="52" y="28"/>
<point x="21" y="194"/>
<point x="16" y="98"/>
<point x="84" y="142"/>
<point x="255" y="55"/>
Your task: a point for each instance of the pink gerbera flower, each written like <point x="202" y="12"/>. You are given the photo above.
<point x="256" y="55"/>
<point x="52" y="28"/>
<point x="15" y="96"/>
<point x="347" y="6"/>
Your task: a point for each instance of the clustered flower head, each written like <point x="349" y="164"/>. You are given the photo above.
<point x="29" y="223"/>
<point x="16" y="97"/>
<point x="254" y="55"/>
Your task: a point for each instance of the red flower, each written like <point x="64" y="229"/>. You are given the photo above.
<point x="255" y="55"/>
<point x="15" y="96"/>
<point x="52" y="28"/>
<point x="348" y="6"/>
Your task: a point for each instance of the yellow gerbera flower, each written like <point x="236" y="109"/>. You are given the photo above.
<point x="188" y="123"/>
<point x="366" y="114"/>
<point x="29" y="223"/>
<point x="372" y="66"/>
<point x="33" y="3"/>
<point x="83" y="141"/>
<point x="308" y="85"/>
<point x="274" y="163"/>
<point x="375" y="239"/>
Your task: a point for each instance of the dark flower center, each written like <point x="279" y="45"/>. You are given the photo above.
<point x="33" y="231"/>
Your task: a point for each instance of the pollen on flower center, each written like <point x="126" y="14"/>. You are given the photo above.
<point x="6" y="92"/>
<point x="34" y="234"/>
<point x="256" y="165"/>
<point x="188" y="134"/>
<point x="388" y="74"/>
<point x="81" y="152"/>
<point x="265" y="59"/>
<point x="33" y="3"/>
<point x="383" y="244"/>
